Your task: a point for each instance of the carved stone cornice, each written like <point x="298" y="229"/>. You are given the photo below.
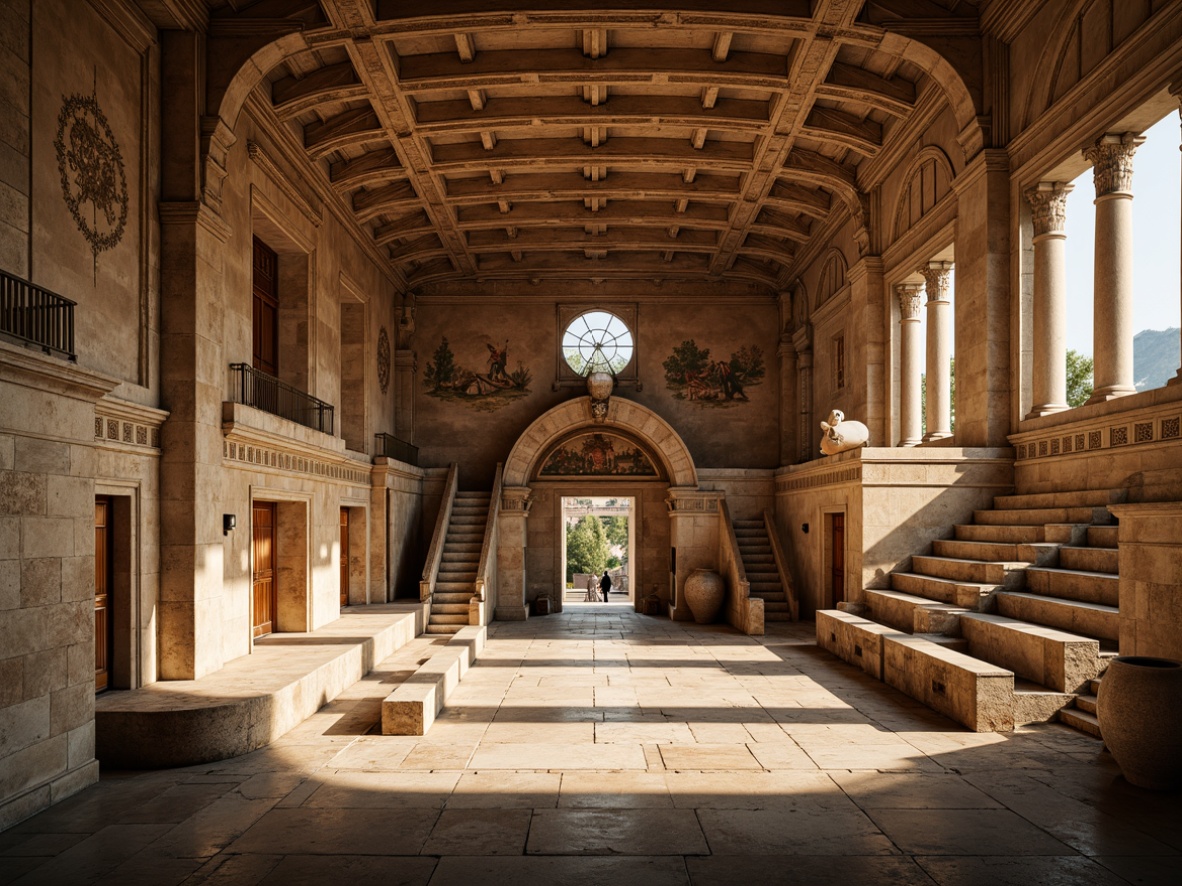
<point x="1112" y="162"/>
<point x="515" y="501"/>
<point x="1048" y="200"/>
<point x="910" y="297"/>
<point x="936" y="275"/>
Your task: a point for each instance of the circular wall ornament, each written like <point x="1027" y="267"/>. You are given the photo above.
<point x="94" y="181"/>
<point x="597" y="341"/>
<point x="383" y="359"/>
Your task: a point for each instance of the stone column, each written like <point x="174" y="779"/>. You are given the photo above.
<point x="937" y="275"/>
<point x="1112" y="162"/>
<point x="511" y="569"/>
<point x="1049" y="202"/>
<point x="1176" y="90"/>
<point x="802" y="340"/>
<point x="910" y="426"/>
<point x="788" y="411"/>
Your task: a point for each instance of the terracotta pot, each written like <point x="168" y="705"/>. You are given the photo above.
<point x="1140" y="712"/>
<point x="704" y="593"/>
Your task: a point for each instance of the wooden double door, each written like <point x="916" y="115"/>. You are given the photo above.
<point x="263" y="556"/>
<point x="344" y="556"/>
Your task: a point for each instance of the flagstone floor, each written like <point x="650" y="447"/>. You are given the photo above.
<point x="598" y="746"/>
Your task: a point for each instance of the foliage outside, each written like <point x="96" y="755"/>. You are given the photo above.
<point x="1079" y="378"/>
<point x="586" y="547"/>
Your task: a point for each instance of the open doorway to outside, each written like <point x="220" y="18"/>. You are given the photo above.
<point x="598" y="535"/>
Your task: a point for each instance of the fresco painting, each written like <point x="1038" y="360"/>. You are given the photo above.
<point x="487" y="391"/>
<point x="598" y="455"/>
<point x="691" y="374"/>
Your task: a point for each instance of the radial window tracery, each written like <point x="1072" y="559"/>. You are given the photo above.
<point x="597" y="340"/>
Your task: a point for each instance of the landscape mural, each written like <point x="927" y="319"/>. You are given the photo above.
<point x="598" y="455"/>
<point x="691" y="374"/>
<point x="487" y="391"/>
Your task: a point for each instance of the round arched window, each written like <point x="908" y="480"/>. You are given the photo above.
<point x="597" y="340"/>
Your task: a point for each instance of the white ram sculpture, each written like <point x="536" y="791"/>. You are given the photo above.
<point x="841" y="435"/>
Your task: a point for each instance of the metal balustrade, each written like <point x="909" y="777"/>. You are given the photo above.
<point x="262" y="391"/>
<point x="392" y="447"/>
<point x="36" y="316"/>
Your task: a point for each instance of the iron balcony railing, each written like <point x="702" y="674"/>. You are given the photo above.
<point x="36" y="316"/>
<point x="265" y="392"/>
<point x="391" y="447"/>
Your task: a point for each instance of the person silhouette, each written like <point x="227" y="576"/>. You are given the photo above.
<point x="605" y="585"/>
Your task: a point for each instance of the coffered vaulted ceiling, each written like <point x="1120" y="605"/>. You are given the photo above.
<point x="478" y="145"/>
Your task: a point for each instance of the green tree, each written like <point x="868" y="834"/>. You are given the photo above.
<point x="1079" y="378"/>
<point x="441" y="370"/>
<point x="923" y="398"/>
<point x="616" y="529"/>
<point x="586" y="547"/>
<point x="687" y="358"/>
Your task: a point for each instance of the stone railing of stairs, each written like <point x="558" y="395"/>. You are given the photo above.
<point x="455" y="582"/>
<point x="1008" y="622"/>
<point x="742" y="609"/>
<point x="765" y="569"/>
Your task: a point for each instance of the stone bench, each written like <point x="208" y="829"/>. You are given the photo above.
<point x="1056" y="659"/>
<point x="412" y="707"/>
<point x="853" y="639"/>
<point x="974" y="693"/>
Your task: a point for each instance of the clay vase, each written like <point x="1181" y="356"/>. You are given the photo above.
<point x="1140" y="712"/>
<point x="704" y="593"/>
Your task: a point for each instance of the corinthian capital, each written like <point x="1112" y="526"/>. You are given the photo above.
<point x="1049" y="202"/>
<point x="936" y="275"/>
<point x="1112" y="162"/>
<point x="910" y="296"/>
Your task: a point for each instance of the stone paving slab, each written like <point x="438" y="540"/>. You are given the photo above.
<point x="653" y="753"/>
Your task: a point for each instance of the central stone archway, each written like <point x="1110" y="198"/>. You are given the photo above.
<point x="527" y="568"/>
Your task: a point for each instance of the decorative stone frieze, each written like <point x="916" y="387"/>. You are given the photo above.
<point x="516" y="500"/>
<point x="121" y="424"/>
<point x="692" y="501"/>
<point x="1048" y="201"/>
<point x="1112" y="162"/>
<point x="236" y="454"/>
<point x="1128" y="432"/>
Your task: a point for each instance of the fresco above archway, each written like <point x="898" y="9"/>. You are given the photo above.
<point x="598" y="455"/>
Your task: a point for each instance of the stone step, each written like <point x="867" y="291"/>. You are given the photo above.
<point x="1034" y="704"/>
<point x="760" y="556"/>
<point x="777" y="616"/>
<point x="462" y="547"/>
<point x="1081" y="498"/>
<point x="1010" y="534"/>
<point x="910" y="613"/>
<point x="1089" y="559"/>
<point x="454" y="587"/>
<point x="451" y="558"/>
<point x="969" y="595"/>
<point x="1070" y="584"/>
<point x="443" y="619"/>
<point x="1102" y="536"/>
<point x="451" y="597"/>
<point x="1055" y="660"/>
<point x="976" y="571"/>
<point x="438" y="609"/>
<point x="1086" y="619"/>
<point x="467" y="520"/>
<point x="1086" y="703"/>
<point x="995" y="551"/>
<point x="1082" y="720"/>
<point x="1039" y="516"/>
<point x="774" y="607"/>
<point x="766" y="587"/>
<point x="748" y="524"/>
<point x="443" y="629"/>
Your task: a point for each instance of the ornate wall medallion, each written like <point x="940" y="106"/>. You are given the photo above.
<point x="383" y="359"/>
<point x="94" y="181"/>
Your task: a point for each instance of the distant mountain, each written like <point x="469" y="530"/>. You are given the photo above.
<point x="1155" y="357"/>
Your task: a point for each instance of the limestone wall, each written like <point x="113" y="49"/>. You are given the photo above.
<point x="15" y="110"/>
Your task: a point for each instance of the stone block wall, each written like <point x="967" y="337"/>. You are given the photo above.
<point x="15" y="114"/>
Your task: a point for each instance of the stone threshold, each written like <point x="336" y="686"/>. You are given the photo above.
<point x="254" y="699"/>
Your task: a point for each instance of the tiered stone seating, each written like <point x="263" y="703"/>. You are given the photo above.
<point x="1029" y="588"/>
<point x="455" y="584"/>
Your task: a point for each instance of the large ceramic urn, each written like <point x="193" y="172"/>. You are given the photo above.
<point x="1140" y="711"/>
<point x="704" y="592"/>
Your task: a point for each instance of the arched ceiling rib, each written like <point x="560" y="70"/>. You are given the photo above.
<point x="604" y="143"/>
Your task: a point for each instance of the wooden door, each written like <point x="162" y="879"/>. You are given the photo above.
<point x="265" y="318"/>
<point x="837" y="558"/>
<point x="263" y="550"/>
<point x="104" y="634"/>
<point x="344" y="556"/>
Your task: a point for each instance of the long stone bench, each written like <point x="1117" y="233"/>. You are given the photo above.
<point x="1052" y="658"/>
<point x="412" y="707"/>
<point x="853" y="639"/>
<point x="972" y="692"/>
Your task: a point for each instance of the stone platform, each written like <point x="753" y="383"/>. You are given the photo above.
<point x="254" y="699"/>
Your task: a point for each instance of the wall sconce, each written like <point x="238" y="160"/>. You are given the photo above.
<point x="804" y="527"/>
<point x="229" y="522"/>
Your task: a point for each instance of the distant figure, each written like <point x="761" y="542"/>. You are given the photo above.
<point x="605" y="585"/>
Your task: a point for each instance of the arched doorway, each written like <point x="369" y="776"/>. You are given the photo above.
<point x="633" y="452"/>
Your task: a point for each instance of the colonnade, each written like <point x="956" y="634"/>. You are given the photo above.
<point x="936" y="285"/>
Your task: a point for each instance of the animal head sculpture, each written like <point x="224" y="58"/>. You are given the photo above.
<point x="841" y="435"/>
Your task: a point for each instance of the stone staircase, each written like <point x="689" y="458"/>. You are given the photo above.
<point x="1030" y="588"/>
<point x="760" y="564"/>
<point x="455" y="584"/>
